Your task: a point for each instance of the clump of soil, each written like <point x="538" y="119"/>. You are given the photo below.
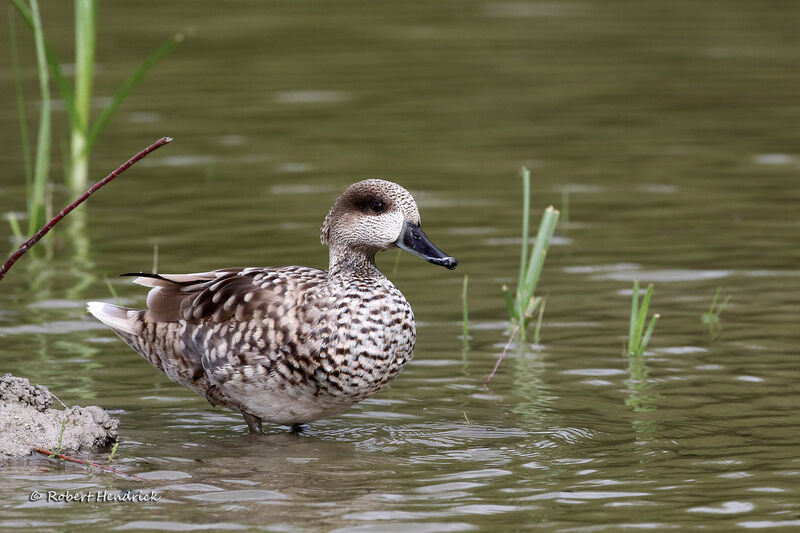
<point x="27" y="421"/>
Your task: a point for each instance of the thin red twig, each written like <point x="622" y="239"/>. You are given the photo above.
<point x="87" y="463"/>
<point x="500" y="359"/>
<point x="27" y="245"/>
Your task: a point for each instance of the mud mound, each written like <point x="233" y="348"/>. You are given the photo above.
<point x="27" y="421"/>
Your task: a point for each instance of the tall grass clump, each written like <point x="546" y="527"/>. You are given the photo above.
<point x="711" y="318"/>
<point x="639" y="335"/>
<point x="523" y="303"/>
<point x="77" y="99"/>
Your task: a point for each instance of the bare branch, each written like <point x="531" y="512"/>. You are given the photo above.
<point x="27" y="245"/>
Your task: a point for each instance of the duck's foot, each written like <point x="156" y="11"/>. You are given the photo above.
<point x="298" y="428"/>
<point x="253" y="422"/>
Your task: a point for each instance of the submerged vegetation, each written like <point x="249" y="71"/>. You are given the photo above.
<point x="77" y="99"/>
<point x="523" y="303"/>
<point x="638" y="336"/>
<point x="711" y="318"/>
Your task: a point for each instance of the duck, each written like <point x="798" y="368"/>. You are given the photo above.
<point x="289" y="345"/>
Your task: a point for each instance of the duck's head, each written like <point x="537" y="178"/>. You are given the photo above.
<point x="374" y="215"/>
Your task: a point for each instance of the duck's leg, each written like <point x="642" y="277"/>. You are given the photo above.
<point x="253" y="422"/>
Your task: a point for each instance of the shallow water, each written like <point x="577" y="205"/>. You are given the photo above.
<point x="671" y="127"/>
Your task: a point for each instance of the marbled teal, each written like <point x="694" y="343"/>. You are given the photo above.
<point x="289" y="345"/>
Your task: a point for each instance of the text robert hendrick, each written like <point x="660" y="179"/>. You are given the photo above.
<point x="98" y="496"/>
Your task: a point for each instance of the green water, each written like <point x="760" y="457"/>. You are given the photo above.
<point x="672" y="125"/>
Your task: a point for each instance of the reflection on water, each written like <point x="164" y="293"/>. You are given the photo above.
<point x="81" y="268"/>
<point x="666" y="128"/>
<point x="642" y="399"/>
<point x="535" y="397"/>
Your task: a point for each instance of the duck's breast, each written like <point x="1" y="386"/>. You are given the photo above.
<point x="372" y="339"/>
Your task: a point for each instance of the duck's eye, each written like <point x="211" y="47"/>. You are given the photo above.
<point x="377" y="206"/>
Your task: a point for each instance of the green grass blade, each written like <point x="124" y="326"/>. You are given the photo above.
<point x="711" y="318"/>
<point x="538" y="329"/>
<point x="62" y="84"/>
<point x="113" y="452"/>
<point x="55" y="65"/>
<point x="546" y="229"/>
<point x="512" y="310"/>
<point x="526" y="214"/>
<point x="714" y="300"/>
<point x="722" y="305"/>
<point x="19" y="237"/>
<point x="641" y="321"/>
<point x="41" y="170"/>
<point x="717" y="306"/>
<point x="637" y="336"/>
<point x="649" y="332"/>
<point x="57" y="451"/>
<point x="533" y="303"/>
<point x="85" y="35"/>
<point x="23" y="119"/>
<point x="128" y="85"/>
<point x="522" y="303"/>
<point x="85" y="30"/>
<point x="64" y="152"/>
<point x="634" y="316"/>
<point x="537" y="256"/>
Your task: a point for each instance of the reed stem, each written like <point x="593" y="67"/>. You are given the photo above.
<point x="85" y="33"/>
<point x="525" y="174"/>
<point x="89" y="464"/>
<point x="523" y="303"/>
<point x="36" y="195"/>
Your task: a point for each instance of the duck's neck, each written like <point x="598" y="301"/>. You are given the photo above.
<point x="351" y="261"/>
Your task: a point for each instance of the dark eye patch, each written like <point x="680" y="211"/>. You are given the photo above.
<point x="372" y="204"/>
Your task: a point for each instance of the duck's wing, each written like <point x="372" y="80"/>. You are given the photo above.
<point x="208" y="329"/>
<point x="243" y="316"/>
<point x="217" y="295"/>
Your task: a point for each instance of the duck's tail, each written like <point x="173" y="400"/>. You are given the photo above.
<point x="120" y="319"/>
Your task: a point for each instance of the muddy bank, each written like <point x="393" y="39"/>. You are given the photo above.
<point x="28" y="419"/>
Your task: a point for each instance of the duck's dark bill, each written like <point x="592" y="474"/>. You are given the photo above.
<point x="412" y="239"/>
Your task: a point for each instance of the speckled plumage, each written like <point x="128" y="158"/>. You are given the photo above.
<point x="289" y="345"/>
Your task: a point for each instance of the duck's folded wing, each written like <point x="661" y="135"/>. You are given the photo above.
<point x="238" y="311"/>
<point x="218" y="295"/>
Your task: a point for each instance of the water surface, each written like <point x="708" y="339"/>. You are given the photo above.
<point x="670" y="127"/>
